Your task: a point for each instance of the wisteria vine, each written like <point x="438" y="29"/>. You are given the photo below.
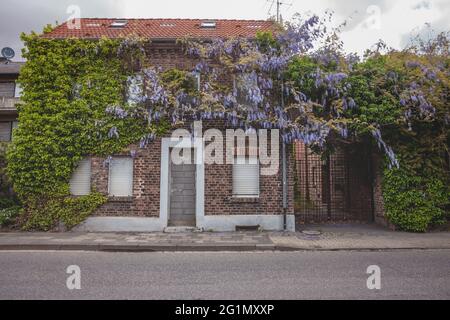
<point x="243" y="82"/>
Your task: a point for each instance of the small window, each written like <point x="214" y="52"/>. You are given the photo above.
<point x="208" y="24"/>
<point x="197" y="80"/>
<point x="242" y="85"/>
<point x="18" y="91"/>
<point x="14" y="125"/>
<point x="5" y="131"/>
<point x="80" y="183"/>
<point x="119" y="23"/>
<point x="7" y="89"/>
<point x="121" y="177"/>
<point x="246" y="177"/>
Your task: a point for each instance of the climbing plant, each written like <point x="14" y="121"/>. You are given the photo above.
<point x="72" y="89"/>
<point x="84" y="97"/>
<point x="405" y="94"/>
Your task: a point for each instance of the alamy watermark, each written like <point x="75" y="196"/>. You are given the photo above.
<point x="374" y="280"/>
<point x="73" y="281"/>
<point x="237" y="147"/>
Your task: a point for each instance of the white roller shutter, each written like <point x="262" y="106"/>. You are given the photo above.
<point x="17" y="91"/>
<point x="7" y="89"/>
<point x="246" y="177"/>
<point x="121" y="177"/>
<point x="80" y="183"/>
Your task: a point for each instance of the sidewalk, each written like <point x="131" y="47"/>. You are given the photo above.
<point x="322" y="237"/>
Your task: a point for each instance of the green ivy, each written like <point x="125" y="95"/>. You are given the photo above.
<point x="414" y="203"/>
<point x="67" y="85"/>
<point x="416" y="195"/>
<point x="8" y="215"/>
<point x="43" y="215"/>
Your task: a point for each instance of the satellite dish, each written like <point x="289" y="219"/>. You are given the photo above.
<point x="8" y="53"/>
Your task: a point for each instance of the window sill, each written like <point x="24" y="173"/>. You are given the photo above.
<point x="244" y="199"/>
<point x="120" y="198"/>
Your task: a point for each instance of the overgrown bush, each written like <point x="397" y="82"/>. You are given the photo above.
<point x="414" y="203"/>
<point x="8" y="215"/>
<point x="68" y="85"/>
<point x="45" y="215"/>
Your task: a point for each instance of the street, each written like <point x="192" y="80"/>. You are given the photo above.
<point x="405" y="274"/>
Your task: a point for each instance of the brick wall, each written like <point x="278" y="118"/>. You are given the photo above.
<point x="218" y="178"/>
<point x="219" y="198"/>
<point x="146" y="183"/>
<point x="218" y="187"/>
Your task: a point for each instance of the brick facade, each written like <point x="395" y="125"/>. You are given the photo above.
<point x="218" y="199"/>
<point x="146" y="183"/>
<point x="218" y="186"/>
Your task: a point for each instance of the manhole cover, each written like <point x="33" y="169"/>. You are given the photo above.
<point x="311" y="232"/>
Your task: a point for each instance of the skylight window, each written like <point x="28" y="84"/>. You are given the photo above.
<point x="119" y="23"/>
<point x="208" y="24"/>
<point x="167" y="25"/>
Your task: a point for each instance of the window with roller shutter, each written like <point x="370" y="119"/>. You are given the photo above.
<point x="121" y="177"/>
<point x="246" y="177"/>
<point x="80" y="182"/>
<point x="7" y="89"/>
<point x="17" y="90"/>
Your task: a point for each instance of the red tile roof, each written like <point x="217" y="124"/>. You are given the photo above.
<point x="162" y="28"/>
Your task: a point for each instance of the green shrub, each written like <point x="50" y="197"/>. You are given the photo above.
<point x="414" y="203"/>
<point x="45" y="215"/>
<point x="67" y="86"/>
<point x="7" y="215"/>
<point x="7" y="202"/>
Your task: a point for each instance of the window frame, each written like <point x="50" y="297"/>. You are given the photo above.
<point x="17" y="90"/>
<point x="10" y="131"/>
<point x="258" y="177"/>
<point x="13" y="82"/>
<point x="89" y="159"/>
<point x="110" y="166"/>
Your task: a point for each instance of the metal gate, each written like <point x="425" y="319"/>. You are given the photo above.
<point x="332" y="189"/>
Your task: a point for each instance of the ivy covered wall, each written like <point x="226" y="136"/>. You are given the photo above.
<point x="82" y="97"/>
<point x="67" y="85"/>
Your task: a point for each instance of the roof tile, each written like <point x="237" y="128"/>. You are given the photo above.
<point x="161" y="28"/>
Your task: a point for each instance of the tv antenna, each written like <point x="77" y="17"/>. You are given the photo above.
<point x="278" y="7"/>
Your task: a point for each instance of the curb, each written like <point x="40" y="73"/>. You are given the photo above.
<point x="138" y="248"/>
<point x="188" y="247"/>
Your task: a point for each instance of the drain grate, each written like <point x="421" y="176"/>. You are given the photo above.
<point x="312" y="232"/>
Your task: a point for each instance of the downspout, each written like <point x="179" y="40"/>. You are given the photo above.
<point x="284" y="167"/>
<point x="283" y="152"/>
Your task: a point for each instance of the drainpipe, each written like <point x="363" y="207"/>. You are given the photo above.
<point x="284" y="169"/>
<point x="283" y="151"/>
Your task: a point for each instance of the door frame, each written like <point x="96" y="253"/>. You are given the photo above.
<point x="166" y="145"/>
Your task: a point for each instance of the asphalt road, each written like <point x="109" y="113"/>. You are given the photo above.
<point x="217" y="275"/>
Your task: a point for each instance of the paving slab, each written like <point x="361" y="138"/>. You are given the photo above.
<point x="335" y="237"/>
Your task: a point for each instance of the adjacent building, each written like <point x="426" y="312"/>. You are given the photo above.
<point x="9" y="96"/>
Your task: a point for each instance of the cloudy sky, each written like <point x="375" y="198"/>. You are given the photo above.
<point x="368" y="20"/>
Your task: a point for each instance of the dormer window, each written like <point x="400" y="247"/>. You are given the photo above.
<point x="254" y="26"/>
<point x="208" y="25"/>
<point x="119" y="23"/>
